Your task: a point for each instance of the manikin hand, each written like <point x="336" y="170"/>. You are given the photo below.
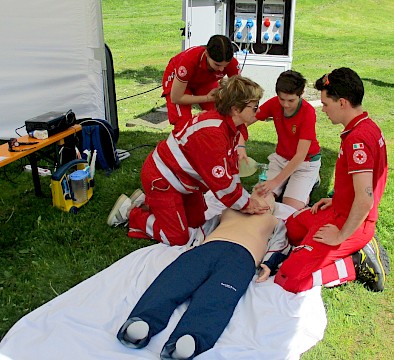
<point x="264" y="273"/>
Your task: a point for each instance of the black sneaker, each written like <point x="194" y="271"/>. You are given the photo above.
<point x="384" y="257"/>
<point x="369" y="266"/>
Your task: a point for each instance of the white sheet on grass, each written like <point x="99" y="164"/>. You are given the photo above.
<point x="81" y="324"/>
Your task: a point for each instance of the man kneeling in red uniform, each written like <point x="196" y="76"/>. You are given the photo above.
<point x="326" y="235"/>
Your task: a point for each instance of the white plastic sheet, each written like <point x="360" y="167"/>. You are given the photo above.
<point x="269" y="323"/>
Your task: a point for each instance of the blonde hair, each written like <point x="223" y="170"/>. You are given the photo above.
<point x="237" y="91"/>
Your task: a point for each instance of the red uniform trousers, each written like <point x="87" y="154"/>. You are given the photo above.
<point x="312" y="263"/>
<point x="180" y="114"/>
<point x="170" y="213"/>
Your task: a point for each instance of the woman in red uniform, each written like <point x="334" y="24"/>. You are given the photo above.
<point x="192" y="75"/>
<point x="200" y="157"/>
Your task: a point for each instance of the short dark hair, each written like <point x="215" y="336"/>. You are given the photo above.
<point x="290" y="82"/>
<point x="342" y="83"/>
<point x="219" y="48"/>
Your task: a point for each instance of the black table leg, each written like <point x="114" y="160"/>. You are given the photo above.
<point x="34" y="172"/>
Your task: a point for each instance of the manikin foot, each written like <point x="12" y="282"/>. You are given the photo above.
<point x="137" y="331"/>
<point x="184" y="347"/>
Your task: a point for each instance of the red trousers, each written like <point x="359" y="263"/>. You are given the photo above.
<point x="312" y="263"/>
<point x="170" y="213"/>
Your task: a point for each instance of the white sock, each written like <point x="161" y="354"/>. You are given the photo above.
<point x="137" y="330"/>
<point x="184" y="347"/>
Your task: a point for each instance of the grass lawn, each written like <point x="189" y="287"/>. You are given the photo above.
<point x="44" y="252"/>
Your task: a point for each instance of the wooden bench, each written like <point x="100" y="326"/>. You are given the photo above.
<point x="7" y="157"/>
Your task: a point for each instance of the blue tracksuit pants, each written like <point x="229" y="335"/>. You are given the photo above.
<point x="213" y="276"/>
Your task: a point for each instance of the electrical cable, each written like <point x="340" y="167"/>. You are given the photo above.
<point x="234" y="43"/>
<point x="144" y="92"/>
<point x="243" y="64"/>
<point x="268" y="49"/>
<point x="253" y="50"/>
<point x="140" y="146"/>
<point x="249" y="45"/>
<point x="17" y="168"/>
<point x="18" y="129"/>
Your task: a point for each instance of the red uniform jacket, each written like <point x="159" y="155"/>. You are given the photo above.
<point x="203" y="156"/>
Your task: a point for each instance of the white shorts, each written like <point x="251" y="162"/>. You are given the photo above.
<point x="299" y="185"/>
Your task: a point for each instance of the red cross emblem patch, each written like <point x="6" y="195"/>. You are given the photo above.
<point x="182" y="71"/>
<point x="359" y="157"/>
<point x="218" y="171"/>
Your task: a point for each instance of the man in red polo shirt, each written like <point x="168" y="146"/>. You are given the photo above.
<point x="326" y="235"/>
<point x="192" y="76"/>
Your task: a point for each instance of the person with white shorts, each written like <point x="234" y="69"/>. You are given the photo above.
<point x="295" y="165"/>
<point x="300" y="183"/>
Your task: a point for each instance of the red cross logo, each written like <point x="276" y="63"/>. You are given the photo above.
<point x="218" y="171"/>
<point x="359" y="157"/>
<point x="182" y="72"/>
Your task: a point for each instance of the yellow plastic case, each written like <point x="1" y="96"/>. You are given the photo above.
<point x="61" y="194"/>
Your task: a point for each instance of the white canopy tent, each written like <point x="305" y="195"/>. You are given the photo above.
<point x="52" y="59"/>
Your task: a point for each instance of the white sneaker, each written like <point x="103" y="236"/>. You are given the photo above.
<point x="121" y="210"/>
<point x="137" y="198"/>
